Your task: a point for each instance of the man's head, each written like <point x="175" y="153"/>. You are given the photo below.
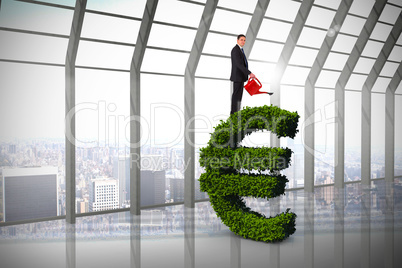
<point x="241" y="40"/>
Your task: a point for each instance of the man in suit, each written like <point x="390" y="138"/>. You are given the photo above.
<point x="240" y="72"/>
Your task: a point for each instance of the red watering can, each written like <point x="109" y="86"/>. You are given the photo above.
<point x="253" y="87"/>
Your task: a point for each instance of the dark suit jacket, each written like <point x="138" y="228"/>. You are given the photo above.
<point x="239" y="71"/>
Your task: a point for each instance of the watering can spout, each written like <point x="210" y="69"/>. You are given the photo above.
<point x="253" y="87"/>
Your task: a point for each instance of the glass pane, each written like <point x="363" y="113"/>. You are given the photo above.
<point x="230" y="22"/>
<point x="104" y="55"/>
<point x="28" y="47"/>
<point x="356" y="82"/>
<point x="353" y="119"/>
<point x="364" y="65"/>
<point x="162" y="164"/>
<point x="390" y="14"/>
<point x="303" y="56"/>
<point x="377" y="135"/>
<point x="381" y="84"/>
<point x="324" y="136"/>
<point x="311" y="37"/>
<point x="295" y="172"/>
<point x="361" y="7"/>
<point x="219" y="44"/>
<point x="335" y="61"/>
<point x="168" y="62"/>
<point x="241" y="5"/>
<point x="320" y="17"/>
<point x="264" y="72"/>
<point x="179" y="12"/>
<point x="398" y="133"/>
<point x="121" y="7"/>
<point x="389" y="69"/>
<point x="110" y="28"/>
<point x="32" y="135"/>
<point x="103" y="137"/>
<point x="214" y="67"/>
<point x="396" y="2"/>
<point x="208" y="115"/>
<point x="381" y="32"/>
<point x="396" y="54"/>
<point x="295" y="76"/>
<point x="352" y="25"/>
<point x="328" y="3"/>
<point x="283" y="9"/>
<point x="274" y="30"/>
<point x="161" y="36"/>
<point x="27" y="16"/>
<point x="344" y="43"/>
<point x="266" y="51"/>
<point x="24" y="102"/>
<point x="327" y="79"/>
<point x="372" y="49"/>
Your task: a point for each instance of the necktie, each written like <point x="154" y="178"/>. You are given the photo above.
<point x="245" y="59"/>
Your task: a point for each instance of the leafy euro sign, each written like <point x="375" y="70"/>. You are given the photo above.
<point x="227" y="176"/>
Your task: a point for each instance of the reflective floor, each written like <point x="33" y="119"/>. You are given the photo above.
<point x="352" y="227"/>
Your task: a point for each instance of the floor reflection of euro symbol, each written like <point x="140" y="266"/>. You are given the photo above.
<point x="234" y="171"/>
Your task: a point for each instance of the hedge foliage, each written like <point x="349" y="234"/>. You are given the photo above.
<point x="232" y="131"/>
<point x="228" y="178"/>
<point x="261" y="159"/>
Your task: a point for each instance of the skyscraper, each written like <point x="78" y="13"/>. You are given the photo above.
<point x="103" y="194"/>
<point x="29" y="193"/>
<point x="121" y="172"/>
<point x="177" y="189"/>
<point x="152" y="187"/>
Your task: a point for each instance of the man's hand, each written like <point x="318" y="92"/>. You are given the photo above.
<point x="252" y="75"/>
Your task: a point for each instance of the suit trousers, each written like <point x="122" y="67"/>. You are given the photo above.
<point x="237" y="96"/>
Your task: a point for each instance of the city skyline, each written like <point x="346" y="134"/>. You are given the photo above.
<point x="100" y="161"/>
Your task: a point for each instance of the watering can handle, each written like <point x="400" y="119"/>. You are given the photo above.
<point x="255" y="79"/>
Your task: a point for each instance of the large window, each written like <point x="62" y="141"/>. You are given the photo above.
<point x="398" y="133"/>
<point x="324" y="136"/>
<point x="208" y="93"/>
<point x="32" y="163"/>
<point x="353" y="136"/>
<point x="162" y="151"/>
<point x="292" y="100"/>
<point x="377" y="135"/>
<point x="102" y="135"/>
<point x="31" y="136"/>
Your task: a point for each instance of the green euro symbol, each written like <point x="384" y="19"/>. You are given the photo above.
<point x="233" y="171"/>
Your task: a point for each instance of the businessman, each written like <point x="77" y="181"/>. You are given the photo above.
<point x="240" y="72"/>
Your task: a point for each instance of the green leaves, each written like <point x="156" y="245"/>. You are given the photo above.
<point x="232" y="131"/>
<point x="223" y="159"/>
<point x="261" y="159"/>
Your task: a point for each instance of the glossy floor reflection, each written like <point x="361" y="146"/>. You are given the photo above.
<point x="352" y="227"/>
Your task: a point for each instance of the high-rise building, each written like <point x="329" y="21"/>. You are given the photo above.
<point x="121" y="172"/>
<point x="177" y="189"/>
<point x="82" y="206"/>
<point x="12" y="149"/>
<point x="103" y="194"/>
<point x="29" y="193"/>
<point x="152" y="187"/>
